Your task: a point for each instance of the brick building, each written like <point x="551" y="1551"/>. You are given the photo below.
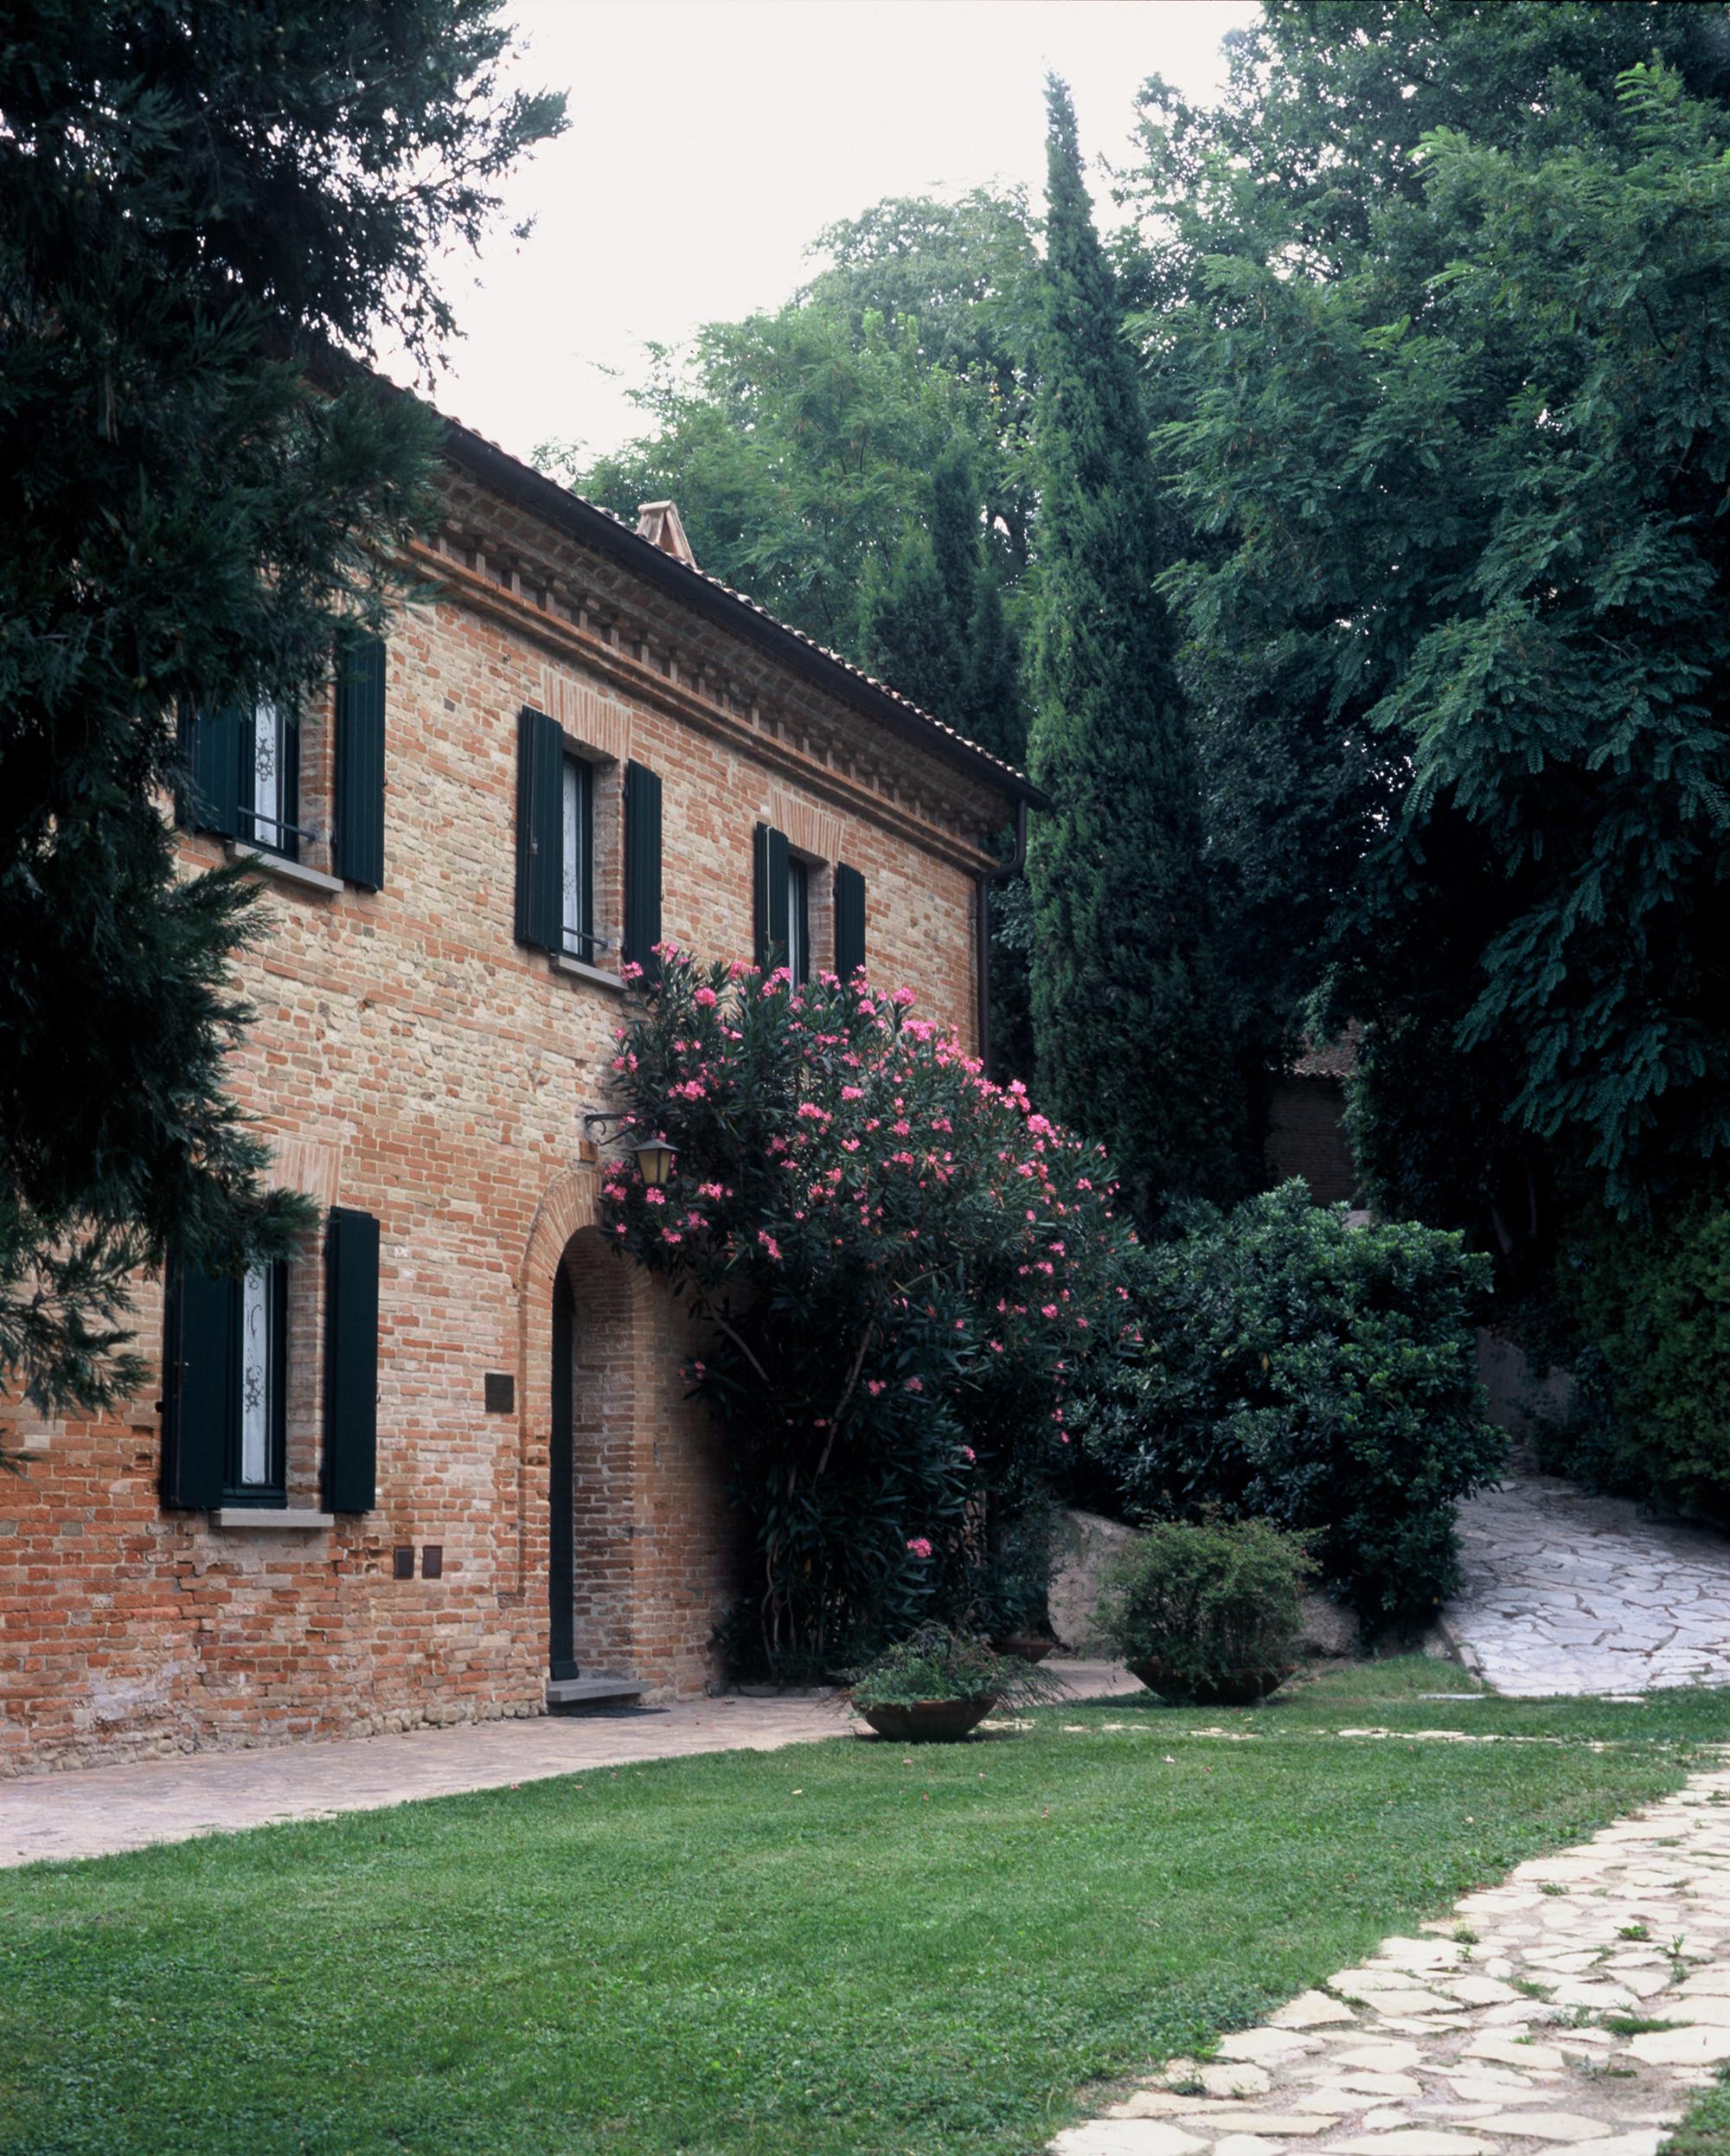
<point x="442" y="1461"/>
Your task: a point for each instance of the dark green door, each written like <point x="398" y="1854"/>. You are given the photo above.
<point x="561" y="1552"/>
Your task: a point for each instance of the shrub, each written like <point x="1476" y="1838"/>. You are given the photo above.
<point x="898" y="1270"/>
<point x="1315" y="1374"/>
<point x="935" y="1663"/>
<point x="1649" y="1305"/>
<point x="1207" y="1600"/>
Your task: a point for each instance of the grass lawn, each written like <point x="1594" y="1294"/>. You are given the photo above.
<point x="844" y="1949"/>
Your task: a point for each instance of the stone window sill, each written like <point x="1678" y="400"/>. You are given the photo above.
<point x="270" y="1520"/>
<point x="589" y="974"/>
<point x="284" y="871"/>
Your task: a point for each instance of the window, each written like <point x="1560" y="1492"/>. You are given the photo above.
<point x="576" y="861"/>
<point x="306" y="786"/>
<point x="270" y="782"/>
<point x="256" y="1464"/>
<point x="231" y="1349"/>
<point x="799" y="920"/>
<point x="565" y="849"/>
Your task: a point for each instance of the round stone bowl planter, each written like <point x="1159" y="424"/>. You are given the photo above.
<point x="1026" y="1647"/>
<point x="929" y="1721"/>
<point x="1231" y="1688"/>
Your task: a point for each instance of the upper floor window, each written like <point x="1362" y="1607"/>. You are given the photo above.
<point x="577" y="862"/>
<point x="270" y="782"/>
<point x="307" y="786"/>
<point x="799" y="919"/>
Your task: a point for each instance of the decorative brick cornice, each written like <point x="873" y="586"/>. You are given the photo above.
<point x="755" y="731"/>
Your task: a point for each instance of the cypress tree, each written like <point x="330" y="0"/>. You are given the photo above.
<point x="906" y="632"/>
<point x="1130" y="1038"/>
<point x="996" y="712"/>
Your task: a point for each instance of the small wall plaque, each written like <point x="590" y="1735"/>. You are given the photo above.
<point x="402" y="1561"/>
<point x="432" y="1561"/>
<point x="501" y="1392"/>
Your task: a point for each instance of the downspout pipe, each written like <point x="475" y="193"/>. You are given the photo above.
<point x="982" y="914"/>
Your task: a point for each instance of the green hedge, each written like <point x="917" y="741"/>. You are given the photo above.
<point x="1316" y="1375"/>
<point x="1649" y="1306"/>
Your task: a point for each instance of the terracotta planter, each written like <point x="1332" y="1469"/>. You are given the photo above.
<point x="929" y="1721"/>
<point x="1234" y="1687"/>
<point x="1026" y="1647"/>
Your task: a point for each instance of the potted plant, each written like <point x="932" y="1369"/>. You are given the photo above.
<point x="1206" y="1612"/>
<point x="937" y="1684"/>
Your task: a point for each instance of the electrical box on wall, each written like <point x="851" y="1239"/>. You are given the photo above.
<point x="501" y="1392"/>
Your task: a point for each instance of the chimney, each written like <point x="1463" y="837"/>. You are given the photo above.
<point x="658" y="523"/>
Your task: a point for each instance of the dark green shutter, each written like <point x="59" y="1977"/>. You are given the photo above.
<point x="539" y="780"/>
<point x="211" y="742"/>
<point x="769" y="860"/>
<point x="359" y="822"/>
<point x="642" y="868"/>
<point x="351" y="1298"/>
<point x="201" y="1385"/>
<point x="849" y="921"/>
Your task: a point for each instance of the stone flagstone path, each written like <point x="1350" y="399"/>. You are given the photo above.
<point x="1494" y="2033"/>
<point x="1567" y="1592"/>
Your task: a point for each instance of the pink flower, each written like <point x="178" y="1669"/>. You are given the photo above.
<point x="902" y="997"/>
<point x="919" y="1546"/>
<point x="969" y="1454"/>
<point x="874" y="1386"/>
<point x="654" y="1197"/>
<point x="705" y="998"/>
<point x="914" y="1384"/>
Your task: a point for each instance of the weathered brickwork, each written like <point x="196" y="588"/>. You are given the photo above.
<point x="410" y="1059"/>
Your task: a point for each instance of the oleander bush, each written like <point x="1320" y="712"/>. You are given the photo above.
<point x="1207" y="1600"/>
<point x="1315" y="1374"/>
<point x="898" y="1270"/>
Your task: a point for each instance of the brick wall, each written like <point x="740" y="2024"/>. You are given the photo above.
<point x="410" y="1059"/>
<point x="1306" y="1137"/>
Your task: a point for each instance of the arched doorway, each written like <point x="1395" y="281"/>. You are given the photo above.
<point x="593" y="1498"/>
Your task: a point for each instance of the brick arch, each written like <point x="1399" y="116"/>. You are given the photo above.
<point x="568" y="1203"/>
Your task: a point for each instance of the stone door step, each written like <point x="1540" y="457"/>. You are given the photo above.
<point x="572" y="1694"/>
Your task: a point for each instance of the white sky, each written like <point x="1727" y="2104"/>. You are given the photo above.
<point x="710" y="140"/>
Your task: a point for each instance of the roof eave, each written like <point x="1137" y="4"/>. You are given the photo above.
<point x="545" y="497"/>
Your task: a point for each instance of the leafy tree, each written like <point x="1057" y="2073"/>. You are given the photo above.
<point x="1130" y="1038"/>
<point x="800" y="445"/>
<point x="195" y="208"/>
<point x="1450" y="448"/>
<point x="901" y="1270"/>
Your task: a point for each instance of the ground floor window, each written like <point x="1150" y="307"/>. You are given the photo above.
<point x="256" y="1470"/>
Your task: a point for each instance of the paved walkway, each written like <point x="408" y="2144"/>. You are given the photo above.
<point x="1567" y="1592"/>
<point x="95" y="1811"/>
<point x="1494" y="2033"/>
